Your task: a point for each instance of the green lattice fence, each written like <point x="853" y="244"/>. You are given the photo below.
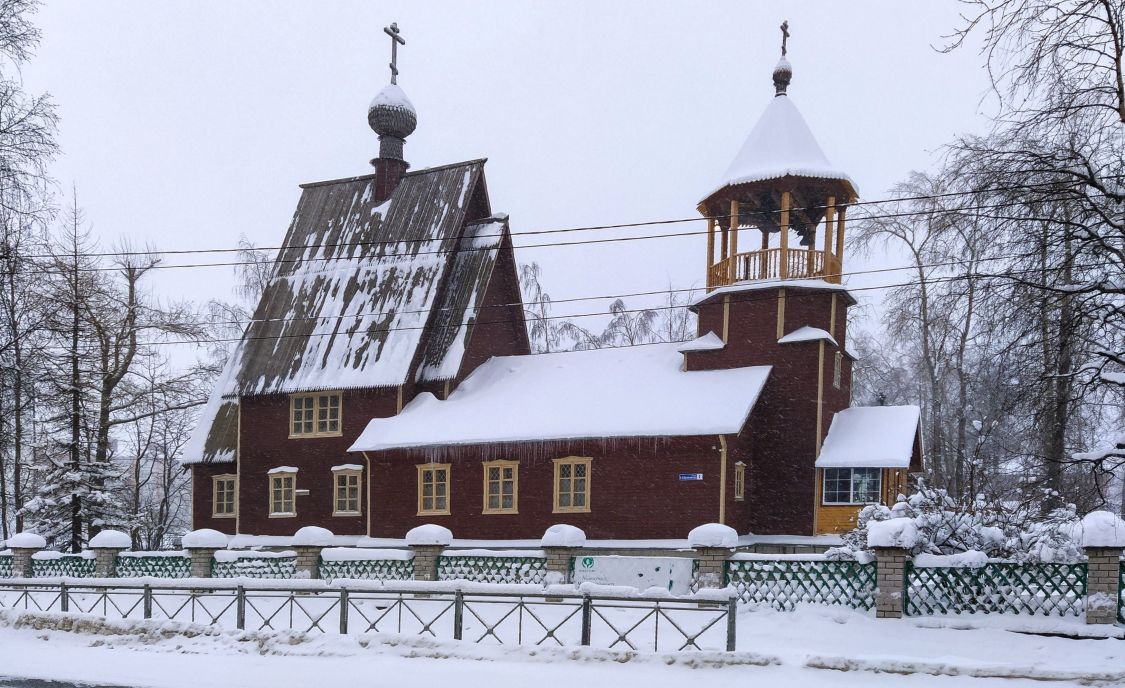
<point x="1121" y="593"/>
<point x="367" y="569"/>
<point x="996" y="588"/>
<point x="67" y="565"/>
<point x="490" y="569"/>
<point x="5" y="565"/>
<point x="255" y="567"/>
<point x="783" y="584"/>
<point x="156" y="566"/>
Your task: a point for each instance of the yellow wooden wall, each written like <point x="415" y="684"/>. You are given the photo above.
<point x="840" y="519"/>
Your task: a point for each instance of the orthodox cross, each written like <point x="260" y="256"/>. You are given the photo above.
<point x="784" y="34"/>
<point x="396" y="40"/>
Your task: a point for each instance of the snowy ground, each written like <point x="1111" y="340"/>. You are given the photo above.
<point x="810" y="647"/>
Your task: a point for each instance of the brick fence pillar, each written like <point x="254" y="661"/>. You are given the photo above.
<point x="105" y="561"/>
<point x="201" y="558"/>
<point x="1102" y="581"/>
<point x="426" y="561"/>
<point x="21" y="561"/>
<point x="891" y="563"/>
<point x="308" y="561"/>
<point x="712" y="566"/>
<point x="558" y="562"/>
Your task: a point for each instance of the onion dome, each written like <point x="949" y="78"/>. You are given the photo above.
<point x="782" y="75"/>
<point x="392" y="116"/>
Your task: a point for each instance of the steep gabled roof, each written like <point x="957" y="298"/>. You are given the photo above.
<point x="352" y="292"/>
<point x="780" y="145"/>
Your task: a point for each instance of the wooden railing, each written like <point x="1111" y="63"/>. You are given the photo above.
<point x="775" y="263"/>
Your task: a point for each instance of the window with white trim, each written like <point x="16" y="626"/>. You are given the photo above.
<point x="283" y="490"/>
<point x="572" y="485"/>
<point x="346" y="493"/>
<point x="224" y="496"/>
<point x="740" y="481"/>
<point x="501" y="487"/>
<point x="838" y="370"/>
<point x="314" y="415"/>
<point x="852" y="485"/>
<point x="433" y="489"/>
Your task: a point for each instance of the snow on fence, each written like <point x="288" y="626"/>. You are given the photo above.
<point x="782" y="583"/>
<point x="57" y="565"/>
<point x="993" y="587"/>
<point x="5" y="565"/>
<point x="231" y="564"/>
<point x="493" y="566"/>
<point x="366" y="564"/>
<point x="153" y="565"/>
<point x="566" y="616"/>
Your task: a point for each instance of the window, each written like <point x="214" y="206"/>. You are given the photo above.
<point x="501" y="487"/>
<point x="223" y="496"/>
<point x="282" y="493"/>
<point x="314" y="415"/>
<point x="852" y="485"/>
<point x="572" y="485"/>
<point x="837" y="369"/>
<point x="345" y="501"/>
<point x="433" y="488"/>
<point x="740" y="481"/>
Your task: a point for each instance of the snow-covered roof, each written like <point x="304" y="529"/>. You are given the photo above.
<point x="807" y="334"/>
<point x="870" y="437"/>
<point x="780" y="144"/>
<point x="708" y="342"/>
<point x="638" y="391"/>
<point x="758" y="285"/>
<point x="350" y="300"/>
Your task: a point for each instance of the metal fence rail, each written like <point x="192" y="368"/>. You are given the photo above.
<point x="636" y="623"/>
<point x="996" y="588"/>
<point x="783" y="584"/>
<point x="487" y="569"/>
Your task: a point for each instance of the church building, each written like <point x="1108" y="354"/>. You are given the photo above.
<point x="386" y="379"/>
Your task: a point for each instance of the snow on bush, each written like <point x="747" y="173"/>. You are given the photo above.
<point x="111" y="539"/>
<point x="893" y="532"/>
<point x="205" y="538"/>
<point x="313" y="536"/>
<point x="713" y="535"/>
<point x="1100" y="529"/>
<point x="563" y="535"/>
<point x="429" y="534"/>
<point x="998" y="530"/>
<point x="26" y="541"/>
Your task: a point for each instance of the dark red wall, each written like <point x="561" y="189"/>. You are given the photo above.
<point x="635" y="491"/>
<point x="201" y="497"/>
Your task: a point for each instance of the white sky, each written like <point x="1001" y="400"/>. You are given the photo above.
<point x="187" y="124"/>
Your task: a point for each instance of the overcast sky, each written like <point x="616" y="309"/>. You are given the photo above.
<point x="187" y="124"/>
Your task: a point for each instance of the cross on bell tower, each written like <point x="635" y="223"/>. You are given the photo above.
<point x="784" y="35"/>
<point x="396" y="41"/>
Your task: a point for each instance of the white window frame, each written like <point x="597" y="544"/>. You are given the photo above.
<point x="851" y="487"/>
<point x="739" y="482"/>
<point x="838" y="370"/>
<point x="233" y="480"/>
<point x="275" y="478"/>
<point x="346" y="476"/>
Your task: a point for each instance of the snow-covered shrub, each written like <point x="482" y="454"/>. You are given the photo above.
<point x="941" y="526"/>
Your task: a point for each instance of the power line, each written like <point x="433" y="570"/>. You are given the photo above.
<point x="279" y="260"/>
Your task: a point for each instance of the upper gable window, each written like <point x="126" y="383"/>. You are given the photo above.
<point x="314" y="415"/>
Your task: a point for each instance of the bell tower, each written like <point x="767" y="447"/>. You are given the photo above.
<point x="774" y="296"/>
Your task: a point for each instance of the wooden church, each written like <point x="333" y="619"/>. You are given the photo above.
<point x="386" y="379"/>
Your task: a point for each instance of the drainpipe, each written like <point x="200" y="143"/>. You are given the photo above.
<point x="722" y="479"/>
<point x="367" y="460"/>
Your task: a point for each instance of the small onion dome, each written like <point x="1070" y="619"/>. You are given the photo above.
<point x="782" y="75"/>
<point x="392" y="116"/>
